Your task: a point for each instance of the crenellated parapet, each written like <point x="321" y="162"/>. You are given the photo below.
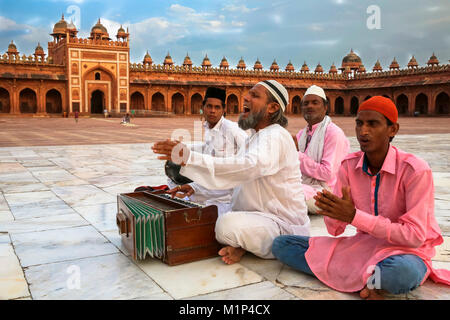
<point x="194" y="70"/>
<point x="23" y="59"/>
<point x="98" y="42"/>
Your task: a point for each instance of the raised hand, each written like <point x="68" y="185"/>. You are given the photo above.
<point x="172" y="150"/>
<point x="330" y="205"/>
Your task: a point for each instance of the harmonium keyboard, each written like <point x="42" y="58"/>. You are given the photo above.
<point x="152" y="224"/>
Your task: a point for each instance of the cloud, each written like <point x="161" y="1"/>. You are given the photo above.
<point x="238" y="8"/>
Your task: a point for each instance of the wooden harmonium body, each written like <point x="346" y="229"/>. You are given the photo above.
<point x="172" y="230"/>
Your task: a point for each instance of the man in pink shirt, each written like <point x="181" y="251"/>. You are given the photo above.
<point x="322" y="146"/>
<point x="388" y="195"/>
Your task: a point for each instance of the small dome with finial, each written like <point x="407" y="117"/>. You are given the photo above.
<point x="274" y="66"/>
<point x="413" y="63"/>
<point x="60" y="27"/>
<point x="39" y="50"/>
<point x="433" y="61"/>
<point x="333" y="69"/>
<point x="304" y="68"/>
<point x="187" y="60"/>
<point x="318" y="69"/>
<point x="290" y="67"/>
<point x="206" y="62"/>
<point x="12" y="49"/>
<point x="224" y="63"/>
<point x="394" y="65"/>
<point x="377" y="67"/>
<point x="258" y="65"/>
<point x="147" y="58"/>
<point x="168" y="60"/>
<point x="241" y="64"/>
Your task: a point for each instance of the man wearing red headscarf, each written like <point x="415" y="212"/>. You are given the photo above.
<point x="388" y="195"/>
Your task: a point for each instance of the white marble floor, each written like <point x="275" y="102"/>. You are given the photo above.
<point x="59" y="240"/>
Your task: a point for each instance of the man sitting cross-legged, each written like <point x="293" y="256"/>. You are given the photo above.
<point x="322" y="146"/>
<point x="388" y="195"/>
<point x="268" y="198"/>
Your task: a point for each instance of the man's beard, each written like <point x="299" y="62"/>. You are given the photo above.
<point x="252" y="120"/>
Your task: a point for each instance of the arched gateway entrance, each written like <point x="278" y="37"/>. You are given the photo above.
<point x="97" y="102"/>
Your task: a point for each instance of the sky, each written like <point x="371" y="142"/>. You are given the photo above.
<point x="320" y="31"/>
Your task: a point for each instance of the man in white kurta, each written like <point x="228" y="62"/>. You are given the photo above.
<point x="268" y="198"/>
<point x="222" y="138"/>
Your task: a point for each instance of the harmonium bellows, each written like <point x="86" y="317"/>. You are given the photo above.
<point x="152" y="224"/>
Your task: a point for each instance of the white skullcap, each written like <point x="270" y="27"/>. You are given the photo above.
<point x="278" y="91"/>
<point x="318" y="91"/>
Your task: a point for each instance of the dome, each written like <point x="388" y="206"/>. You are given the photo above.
<point x="60" y="27"/>
<point x="224" y="63"/>
<point x="258" y="65"/>
<point x="290" y="67"/>
<point x="377" y="66"/>
<point x="351" y="57"/>
<point x="99" y="28"/>
<point x="433" y="60"/>
<point x="351" y="60"/>
<point x="121" y="30"/>
<point x="12" y="46"/>
<point x="206" y="62"/>
<point x="39" y="49"/>
<point x="413" y="63"/>
<point x="187" y="61"/>
<point x="168" y="59"/>
<point x="394" y="64"/>
<point x="362" y="69"/>
<point x="241" y="64"/>
<point x="71" y="26"/>
<point x="274" y="66"/>
<point x="318" y="69"/>
<point x="304" y="67"/>
<point x="148" y="58"/>
<point x="333" y="69"/>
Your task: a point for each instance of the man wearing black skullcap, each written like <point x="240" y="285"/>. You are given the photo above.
<point x="222" y="138"/>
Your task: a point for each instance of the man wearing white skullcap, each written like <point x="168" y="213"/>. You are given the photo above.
<point x="322" y="146"/>
<point x="268" y="198"/>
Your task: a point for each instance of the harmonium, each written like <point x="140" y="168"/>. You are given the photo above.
<point x="152" y="224"/>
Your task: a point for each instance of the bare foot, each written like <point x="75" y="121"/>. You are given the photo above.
<point x="370" y="294"/>
<point x="231" y="255"/>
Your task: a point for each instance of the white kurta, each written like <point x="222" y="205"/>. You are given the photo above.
<point x="265" y="175"/>
<point x="223" y="140"/>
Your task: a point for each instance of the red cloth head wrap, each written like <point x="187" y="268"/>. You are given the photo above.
<point x="382" y="105"/>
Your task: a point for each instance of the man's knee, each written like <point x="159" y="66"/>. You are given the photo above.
<point x="401" y="273"/>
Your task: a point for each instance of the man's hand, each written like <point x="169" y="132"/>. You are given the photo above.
<point x="174" y="151"/>
<point x="181" y="191"/>
<point x="342" y="209"/>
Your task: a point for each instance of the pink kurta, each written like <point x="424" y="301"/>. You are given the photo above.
<point x="335" y="148"/>
<point x="394" y="215"/>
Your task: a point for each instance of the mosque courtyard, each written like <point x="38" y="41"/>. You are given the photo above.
<point x="58" y="236"/>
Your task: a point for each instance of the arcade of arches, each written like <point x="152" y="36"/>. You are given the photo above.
<point x="408" y="103"/>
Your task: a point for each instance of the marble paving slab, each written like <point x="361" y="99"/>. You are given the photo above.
<point x="265" y="290"/>
<point x="83" y="195"/>
<point x="108" y="277"/>
<point x="116" y="239"/>
<point x="36" y="204"/>
<point x="44" y="247"/>
<point x="200" y="277"/>
<point x="43" y="223"/>
<point x="12" y="281"/>
<point x="102" y="216"/>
